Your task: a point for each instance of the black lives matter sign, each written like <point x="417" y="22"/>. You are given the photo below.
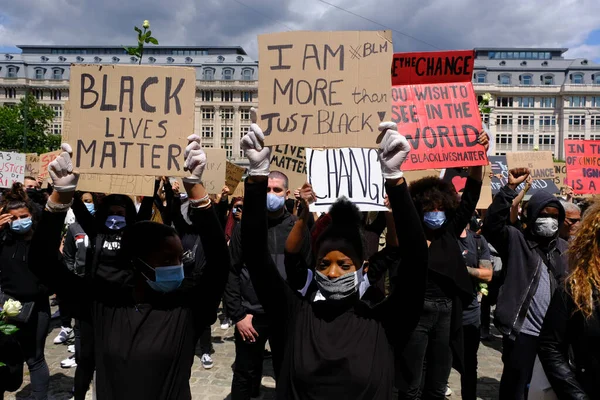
<point x="324" y="89"/>
<point x="130" y="120"/>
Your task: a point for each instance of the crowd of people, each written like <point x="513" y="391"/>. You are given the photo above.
<point x="354" y="305"/>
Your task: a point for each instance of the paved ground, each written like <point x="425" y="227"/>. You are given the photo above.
<point x="215" y="384"/>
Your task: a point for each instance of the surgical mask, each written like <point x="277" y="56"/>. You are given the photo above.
<point x="22" y="225"/>
<point x="115" y="222"/>
<point x="545" y="227"/>
<point x="434" y="219"/>
<point x="90" y="207"/>
<point x="341" y="287"/>
<point x="168" y="279"/>
<point x="274" y="202"/>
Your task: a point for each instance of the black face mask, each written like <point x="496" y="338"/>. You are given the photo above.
<point x="36" y="195"/>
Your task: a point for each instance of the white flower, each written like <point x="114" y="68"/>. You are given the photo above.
<point x="12" y="308"/>
<point x="146" y="24"/>
<point x="487" y="97"/>
<point x="536" y="148"/>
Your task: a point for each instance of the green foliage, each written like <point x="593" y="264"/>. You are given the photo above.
<point x="25" y="127"/>
<point x="8" y="329"/>
<point x="144" y="36"/>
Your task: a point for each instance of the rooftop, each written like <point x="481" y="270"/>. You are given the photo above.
<point x="174" y="50"/>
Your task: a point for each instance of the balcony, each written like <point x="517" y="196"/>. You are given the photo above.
<point x="576" y="128"/>
<point x="481" y="88"/>
<point x="503" y="146"/>
<point x="575" y="89"/>
<point x="503" y="128"/>
<point x="525" y="128"/>
<point x="223" y="84"/>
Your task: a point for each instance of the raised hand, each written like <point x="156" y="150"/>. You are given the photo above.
<point x="393" y="150"/>
<point x="61" y="171"/>
<point x="195" y="160"/>
<point x="253" y="145"/>
<point x="516" y="176"/>
<point x="484" y="140"/>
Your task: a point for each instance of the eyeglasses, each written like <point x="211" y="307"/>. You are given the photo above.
<point x="573" y="220"/>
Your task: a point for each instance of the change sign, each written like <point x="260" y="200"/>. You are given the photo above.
<point x="130" y="120"/>
<point x="435" y="107"/>
<point x="324" y="89"/>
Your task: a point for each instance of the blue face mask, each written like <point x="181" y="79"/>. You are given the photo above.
<point x="434" y="219"/>
<point x="90" y="207"/>
<point x="115" y="222"/>
<point x="167" y="280"/>
<point x="274" y="202"/>
<point x="22" y="225"/>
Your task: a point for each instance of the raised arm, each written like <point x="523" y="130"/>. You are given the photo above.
<point x="84" y="218"/>
<point x="145" y="212"/>
<point x="514" y="210"/>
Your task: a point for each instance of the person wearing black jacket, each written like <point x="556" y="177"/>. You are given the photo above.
<point x="145" y="332"/>
<point x="568" y="344"/>
<point x="534" y="264"/>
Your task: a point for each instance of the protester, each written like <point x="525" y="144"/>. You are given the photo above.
<point x="17" y="226"/>
<point x="568" y="344"/>
<point x="424" y="365"/>
<point x="535" y="265"/>
<point x="569" y="227"/>
<point x="145" y="331"/>
<point x="336" y="345"/>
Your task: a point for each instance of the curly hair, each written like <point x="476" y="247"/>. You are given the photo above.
<point x="432" y="193"/>
<point x="584" y="262"/>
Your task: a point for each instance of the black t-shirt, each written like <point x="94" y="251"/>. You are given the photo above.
<point x="469" y="247"/>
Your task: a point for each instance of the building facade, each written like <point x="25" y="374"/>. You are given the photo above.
<point x="226" y="83"/>
<point x="539" y="98"/>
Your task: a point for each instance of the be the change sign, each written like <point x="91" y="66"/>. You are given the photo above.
<point x="130" y="120"/>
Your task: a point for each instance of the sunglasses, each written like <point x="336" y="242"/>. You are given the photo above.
<point x="573" y="220"/>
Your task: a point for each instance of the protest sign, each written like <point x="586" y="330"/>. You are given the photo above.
<point x="583" y="165"/>
<point x="130" y="120"/>
<point x="540" y="163"/>
<point x="213" y="177"/>
<point x="45" y="160"/>
<point x="117" y="184"/>
<point x="435" y="107"/>
<point x="32" y="165"/>
<point x="12" y="168"/>
<point x="290" y="160"/>
<point x="233" y="176"/>
<point x="324" y="89"/>
<point x="560" y="174"/>
<point x="500" y="178"/>
<point x="353" y="173"/>
<point x="411" y="176"/>
<point x="458" y="177"/>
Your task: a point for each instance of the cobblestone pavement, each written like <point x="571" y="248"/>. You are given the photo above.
<point x="215" y="384"/>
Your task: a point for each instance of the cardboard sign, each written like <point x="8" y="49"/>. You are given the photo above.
<point x="435" y="107"/>
<point x="324" y="89"/>
<point x="411" y="176"/>
<point x="130" y="120"/>
<point x="458" y="177"/>
<point x="500" y="178"/>
<point x="233" y="176"/>
<point x="353" y="173"/>
<point x="213" y="177"/>
<point x="290" y="160"/>
<point x="540" y="163"/>
<point x="45" y="160"/>
<point x="12" y="168"/>
<point x="583" y="165"/>
<point x="117" y="184"/>
<point x="32" y="165"/>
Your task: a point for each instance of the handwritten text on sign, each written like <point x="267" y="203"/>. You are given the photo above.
<point x="583" y="165"/>
<point x="540" y="163"/>
<point x="324" y="89"/>
<point x="45" y="160"/>
<point x="12" y="168"/>
<point x="131" y="120"/>
<point x="500" y="178"/>
<point x="353" y="173"/>
<point x="290" y="160"/>
<point x="435" y="107"/>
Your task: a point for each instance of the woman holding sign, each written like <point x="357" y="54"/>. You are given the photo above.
<point x="337" y="346"/>
<point x="144" y="334"/>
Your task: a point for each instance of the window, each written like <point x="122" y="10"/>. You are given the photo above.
<point x="504" y="141"/>
<point x="39" y="94"/>
<point x="227" y="74"/>
<point x="55" y="128"/>
<point x="504" y="123"/>
<point x="246" y="97"/>
<point x="526" y="102"/>
<point x="547" y="123"/>
<point x="576" y="136"/>
<point x="151" y="60"/>
<point x="227" y="132"/>
<point x="546" y="142"/>
<point x="115" y="59"/>
<point x="525" y="141"/>
<point x="548" y="102"/>
<point x="594" y="137"/>
<point x="595" y="122"/>
<point x="504" y="79"/>
<point x="39" y="73"/>
<point x="525" y="122"/>
<point x="10" y="93"/>
<point x="596" y="101"/>
<point x="548" y="80"/>
<point x="208" y="74"/>
<point x="577" y="79"/>
<point x="245" y="115"/>
<point x="55" y="95"/>
<point x="170" y="60"/>
<point x="597" y="79"/>
<point x="577" y="101"/>
<point x="206" y="95"/>
<point x="504" y="101"/>
<point x="58" y="110"/>
<point x="133" y="60"/>
<point x="227" y="113"/>
<point x="226" y="95"/>
<point x="188" y="60"/>
<point x="57" y="73"/>
<point x="576" y="123"/>
<point x="208" y="113"/>
<point x="207" y="132"/>
<point x="247" y="74"/>
<point x="526" y="80"/>
<point x="11" y="72"/>
<point x="220" y="59"/>
<point x="239" y="59"/>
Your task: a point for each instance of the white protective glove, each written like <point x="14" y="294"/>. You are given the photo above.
<point x="253" y="145"/>
<point x="195" y="160"/>
<point x="393" y="150"/>
<point x="61" y="171"/>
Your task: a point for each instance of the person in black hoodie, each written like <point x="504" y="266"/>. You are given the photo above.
<point x="144" y="331"/>
<point x="17" y="226"/>
<point x="336" y="345"/>
<point x="534" y="264"/>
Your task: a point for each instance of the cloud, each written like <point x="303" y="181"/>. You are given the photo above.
<point x="457" y="24"/>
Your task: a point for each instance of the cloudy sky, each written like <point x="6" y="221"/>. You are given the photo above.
<point x="420" y="24"/>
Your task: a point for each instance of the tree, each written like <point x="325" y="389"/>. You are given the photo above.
<point x="25" y="127"/>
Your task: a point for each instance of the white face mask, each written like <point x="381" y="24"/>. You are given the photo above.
<point x="341" y="287"/>
<point x="545" y="227"/>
